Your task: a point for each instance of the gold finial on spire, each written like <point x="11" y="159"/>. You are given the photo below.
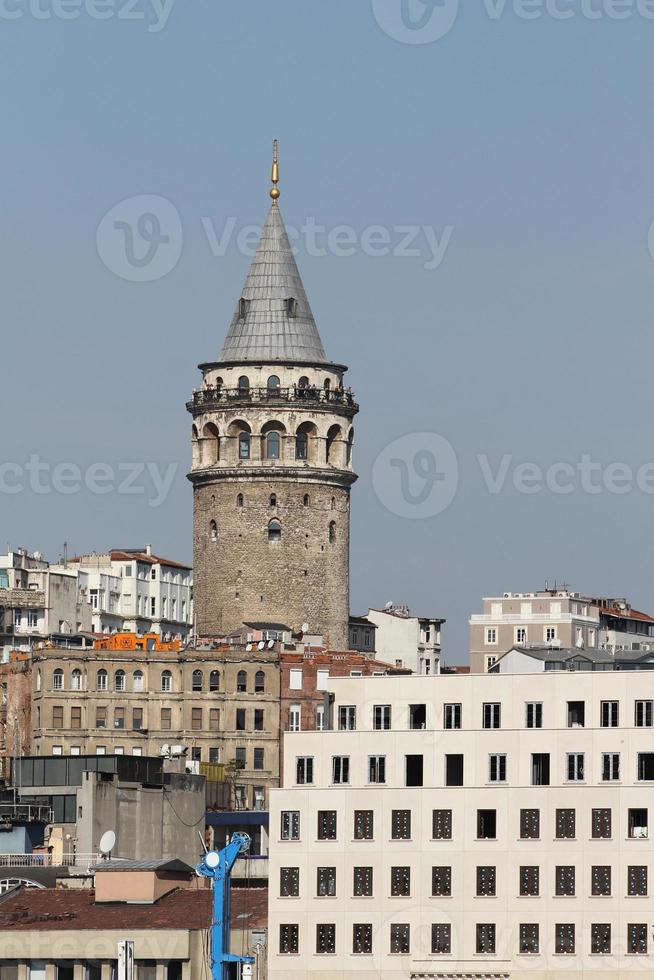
<point x="274" y="190"/>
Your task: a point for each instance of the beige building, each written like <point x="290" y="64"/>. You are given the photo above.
<point x="405" y="640"/>
<point x="483" y="828"/>
<point x="553" y="617"/>
<point x="221" y="706"/>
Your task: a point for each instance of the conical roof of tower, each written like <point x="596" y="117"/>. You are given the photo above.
<point x="267" y="327"/>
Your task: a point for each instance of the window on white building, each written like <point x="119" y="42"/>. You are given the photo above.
<point x="377" y="769"/>
<point x="609" y="714"/>
<point x="347" y="718"/>
<point x="382" y="717"/>
<point x="575" y="767"/>
<point x="534" y="714"/>
<point x="304" y="770"/>
<point x="290" y="825"/>
<point x="643" y="714"/>
<point x="452" y="716"/>
<point x="610" y="766"/>
<point x="491" y="635"/>
<point x="340" y="769"/>
<point x="521" y="635"/>
<point x="497" y="768"/>
<point x="492" y="715"/>
<point x="550" y="634"/>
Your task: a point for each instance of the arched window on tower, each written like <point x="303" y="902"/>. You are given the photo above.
<point x="210" y="446"/>
<point x="332" y="532"/>
<point x="244" y="445"/>
<point x="259" y="682"/>
<point x="303" y="382"/>
<point x="58" y="679"/>
<point x="348" y="448"/>
<point x="307" y="500"/>
<point x="273" y="499"/>
<point x="213" y="531"/>
<point x="327" y="384"/>
<point x="239" y="500"/>
<point x="214" y="680"/>
<point x="333" y="436"/>
<point x="241" y="682"/>
<point x="302" y="445"/>
<point x="273" y="384"/>
<point x="119" y="680"/>
<point x="76" y="680"/>
<point x="274" y="531"/>
<point x="273" y="445"/>
<point x="197" y="680"/>
<point x="244" y="385"/>
<point x="333" y="503"/>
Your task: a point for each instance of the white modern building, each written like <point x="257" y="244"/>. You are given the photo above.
<point x="484" y="827"/>
<point x="399" y="638"/>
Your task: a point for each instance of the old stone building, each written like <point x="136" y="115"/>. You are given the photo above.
<point x="221" y="705"/>
<point x="272" y="461"/>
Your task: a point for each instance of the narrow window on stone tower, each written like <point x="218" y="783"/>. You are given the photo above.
<point x="273" y="445"/>
<point x="332" y="532"/>
<point x="333" y="503"/>
<point x="306" y="500"/>
<point x="333" y="435"/>
<point x="243" y="384"/>
<point x="213" y="531"/>
<point x="239" y="500"/>
<point x="274" y="531"/>
<point x="348" y="448"/>
<point x="291" y="306"/>
<point x="302" y="446"/>
<point x="244" y="445"/>
<point x="273" y="500"/>
<point x="273" y="383"/>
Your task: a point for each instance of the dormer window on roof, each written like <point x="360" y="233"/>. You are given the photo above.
<point x="291" y="306"/>
<point x="243" y="308"/>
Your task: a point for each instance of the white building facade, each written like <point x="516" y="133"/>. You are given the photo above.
<point x="409" y="641"/>
<point x="139" y="592"/>
<point x="485" y="828"/>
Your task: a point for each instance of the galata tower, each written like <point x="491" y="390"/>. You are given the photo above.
<point x="272" y="461"/>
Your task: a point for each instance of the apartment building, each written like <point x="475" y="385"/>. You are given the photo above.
<point x="38" y="600"/>
<point x="553" y="617"/>
<point x="220" y="705"/>
<point x="137" y="591"/>
<point x="398" y="637"/>
<point x="476" y="828"/>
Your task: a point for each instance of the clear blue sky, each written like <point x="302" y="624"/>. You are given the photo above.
<point x="532" y="140"/>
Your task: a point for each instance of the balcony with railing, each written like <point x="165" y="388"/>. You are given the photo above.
<point x="49" y="860"/>
<point x="212" y="397"/>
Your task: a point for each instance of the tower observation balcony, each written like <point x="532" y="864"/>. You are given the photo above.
<point x="211" y="397"/>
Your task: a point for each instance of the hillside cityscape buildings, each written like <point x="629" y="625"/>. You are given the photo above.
<point x="408" y="816"/>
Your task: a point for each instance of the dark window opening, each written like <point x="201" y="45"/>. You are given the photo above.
<point x="454" y="770"/>
<point x="540" y="769"/>
<point x="576" y="714"/>
<point x="486" y="824"/>
<point x="414" y="770"/>
<point x="417" y="716"/>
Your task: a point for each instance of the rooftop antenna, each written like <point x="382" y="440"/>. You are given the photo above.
<point x="274" y="190"/>
<point x="65" y="554"/>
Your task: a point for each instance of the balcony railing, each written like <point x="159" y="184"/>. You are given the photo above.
<point x="25" y="812"/>
<point x="211" y="397"/>
<point x="49" y="860"/>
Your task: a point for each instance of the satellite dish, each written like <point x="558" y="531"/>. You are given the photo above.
<point x="271" y="644"/>
<point x="107" y="842"/>
<point x="248" y="646"/>
<point x="261" y="645"/>
<point x="305" y="627"/>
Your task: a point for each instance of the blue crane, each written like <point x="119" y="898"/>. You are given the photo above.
<point x="217" y="867"/>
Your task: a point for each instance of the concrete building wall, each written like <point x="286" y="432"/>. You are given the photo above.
<point x="467" y="849"/>
<point x="407" y="640"/>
